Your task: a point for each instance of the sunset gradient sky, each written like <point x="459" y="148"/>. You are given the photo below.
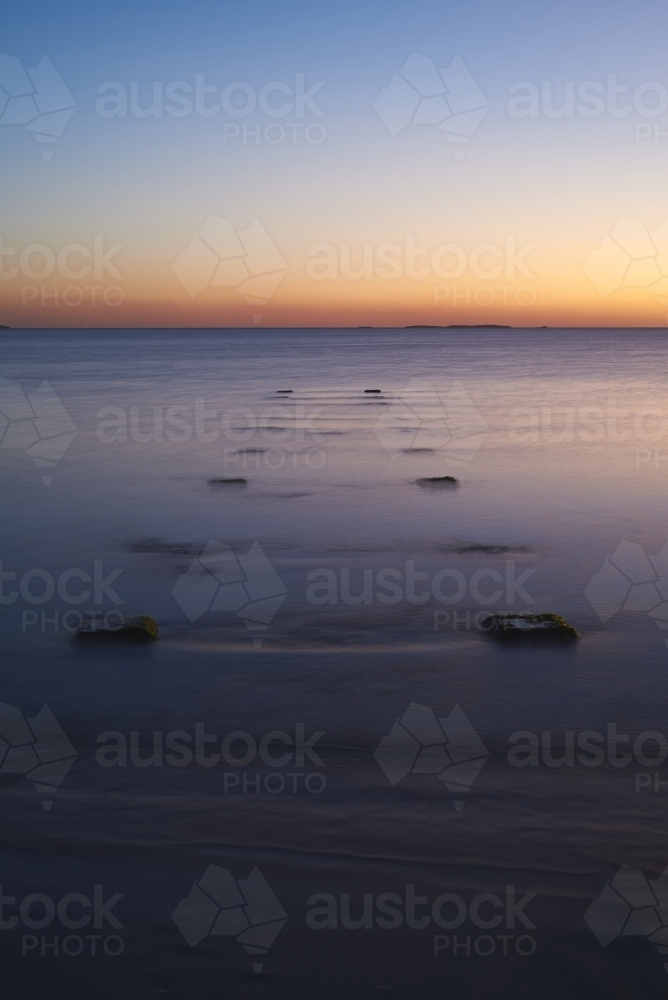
<point x="547" y="191"/>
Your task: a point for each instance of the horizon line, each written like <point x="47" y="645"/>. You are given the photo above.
<point x="416" y="327"/>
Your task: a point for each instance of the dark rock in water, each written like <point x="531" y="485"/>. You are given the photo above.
<point x="519" y="626"/>
<point x="168" y="548"/>
<point x="288" y="392"/>
<point x="227" y="482"/>
<point x="488" y="550"/>
<point x="140" y="628"/>
<point x="439" y="481"/>
<point x="373" y="390"/>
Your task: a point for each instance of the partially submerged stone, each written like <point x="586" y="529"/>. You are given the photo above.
<point x="438" y="481"/>
<point x="227" y="482"/>
<point x="139" y="628"/>
<point x="519" y="625"/>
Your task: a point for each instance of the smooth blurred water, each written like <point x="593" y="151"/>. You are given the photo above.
<point x="324" y="494"/>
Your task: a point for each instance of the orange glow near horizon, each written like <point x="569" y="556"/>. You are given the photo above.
<point x="342" y="304"/>
<point x="505" y="280"/>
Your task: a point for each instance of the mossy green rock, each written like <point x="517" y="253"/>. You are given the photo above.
<point x="520" y="626"/>
<point x="140" y="628"/>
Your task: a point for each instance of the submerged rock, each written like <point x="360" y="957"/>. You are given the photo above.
<point x="158" y="545"/>
<point x="518" y="625"/>
<point x="139" y="628"/>
<point x="439" y="481"/>
<point x="227" y="482"/>
<point x="488" y="550"/>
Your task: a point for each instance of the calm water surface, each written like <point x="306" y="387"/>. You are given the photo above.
<point x="559" y="440"/>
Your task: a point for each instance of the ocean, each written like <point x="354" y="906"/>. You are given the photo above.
<point x="326" y="778"/>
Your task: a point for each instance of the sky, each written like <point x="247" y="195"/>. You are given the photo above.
<point x="319" y="164"/>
